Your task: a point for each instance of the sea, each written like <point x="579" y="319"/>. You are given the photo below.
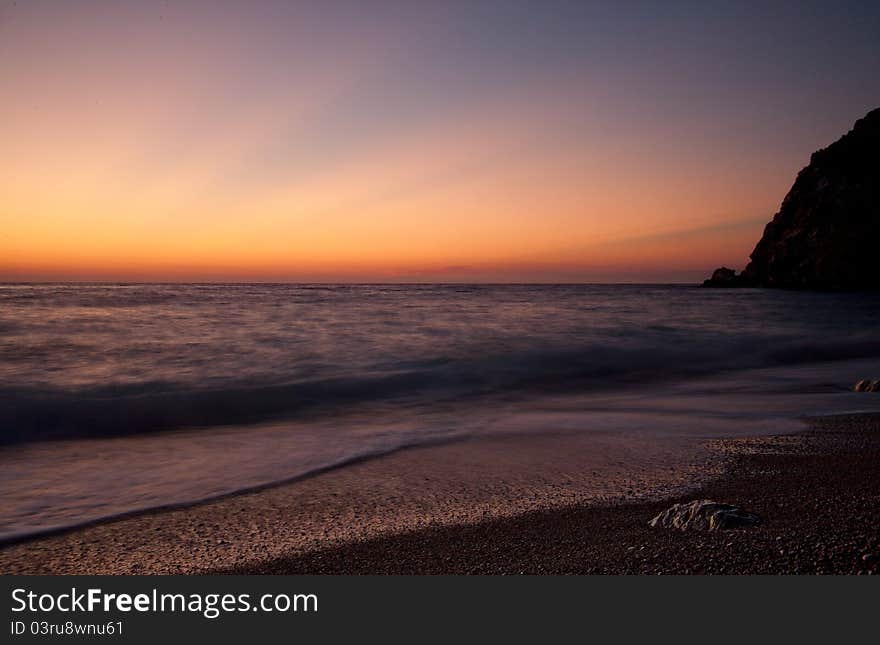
<point x="117" y="398"/>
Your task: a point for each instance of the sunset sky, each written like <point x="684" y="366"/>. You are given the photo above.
<point x="413" y="140"/>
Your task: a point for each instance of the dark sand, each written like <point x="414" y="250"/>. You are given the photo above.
<point x="817" y="491"/>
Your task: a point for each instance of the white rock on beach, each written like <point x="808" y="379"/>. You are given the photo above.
<point x="704" y="515"/>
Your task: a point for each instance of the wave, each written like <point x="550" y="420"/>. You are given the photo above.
<point x="34" y="412"/>
<point x="10" y="536"/>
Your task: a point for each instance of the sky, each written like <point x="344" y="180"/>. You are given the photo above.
<point x="398" y="141"/>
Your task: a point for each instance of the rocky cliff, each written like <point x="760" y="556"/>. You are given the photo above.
<point x="826" y="234"/>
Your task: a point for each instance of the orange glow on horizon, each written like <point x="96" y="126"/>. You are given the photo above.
<point x="220" y="145"/>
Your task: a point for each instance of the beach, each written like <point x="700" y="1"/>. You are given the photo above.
<point x="372" y="428"/>
<point x="519" y="505"/>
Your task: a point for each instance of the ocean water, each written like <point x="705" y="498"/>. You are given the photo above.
<point x="115" y="398"/>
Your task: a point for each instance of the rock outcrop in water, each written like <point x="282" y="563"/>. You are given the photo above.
<point x="867" y="385"/>
<point x="827" y="232"/>
<point x="723" y="277"/>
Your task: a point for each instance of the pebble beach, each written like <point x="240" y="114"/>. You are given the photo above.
<point x="816" y="492"/>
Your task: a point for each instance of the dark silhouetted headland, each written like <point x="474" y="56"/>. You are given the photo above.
<point x="827" y="231"/>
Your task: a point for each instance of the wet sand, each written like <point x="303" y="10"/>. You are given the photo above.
<point x="450" y="484"/>
<point x="517" y="505"/>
